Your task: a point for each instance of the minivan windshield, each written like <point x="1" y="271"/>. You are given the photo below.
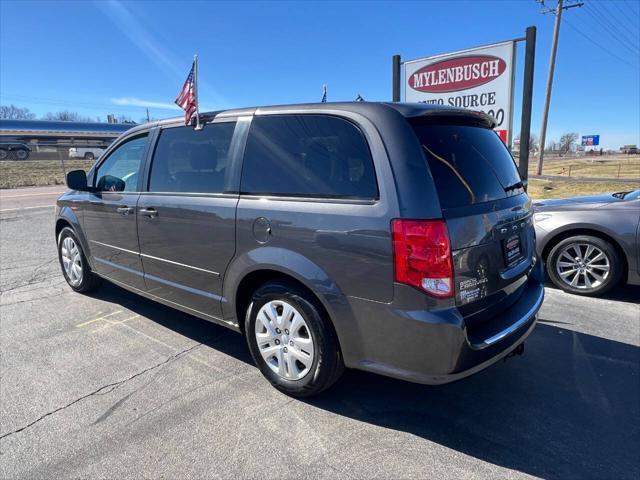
<point x="469" y="164"/>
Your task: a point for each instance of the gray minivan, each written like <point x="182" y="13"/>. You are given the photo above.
<point x="388" y="237"/>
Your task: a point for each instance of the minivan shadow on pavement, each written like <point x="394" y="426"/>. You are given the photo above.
<point x="568" y="408"/>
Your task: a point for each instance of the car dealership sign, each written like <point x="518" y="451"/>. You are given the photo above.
<point x="479" y="79"/>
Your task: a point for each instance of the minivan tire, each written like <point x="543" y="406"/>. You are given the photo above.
<point x="613" y="258"/>
<point x="90" y="281"/>
<point x="327" y="365"/>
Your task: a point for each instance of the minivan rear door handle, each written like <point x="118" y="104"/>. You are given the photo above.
<point x="124" y="210"/>
<point x="148" y="212"/>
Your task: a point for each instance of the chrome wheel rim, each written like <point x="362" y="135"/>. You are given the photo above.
<point x="583" y="266"/>
<point x="284" y="340"/>
<point x="71" y="261"/>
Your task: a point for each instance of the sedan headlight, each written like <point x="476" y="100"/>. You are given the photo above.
<point x="541" y="217"/>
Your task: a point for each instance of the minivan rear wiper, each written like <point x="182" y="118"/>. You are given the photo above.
<point x="620" y="195"/>
<point x="514" y="186"/>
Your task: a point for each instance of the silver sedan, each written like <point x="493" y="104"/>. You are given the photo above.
<point x="590" y="244"/>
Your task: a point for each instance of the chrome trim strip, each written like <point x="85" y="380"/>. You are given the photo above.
<point x="119" y="267"/>
<point x="156" y="258"/>
<point x="180" y="264"/>
<point x="515" y="326"/>
<point x="194" y="291"/>
<point x="113" y="246"/>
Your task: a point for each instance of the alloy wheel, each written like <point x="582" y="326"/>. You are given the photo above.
<point x="284" y="340"/>
<point x="583" y="266"/>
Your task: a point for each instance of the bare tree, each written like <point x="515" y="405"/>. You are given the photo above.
<point x="533" y="142"/>
<point x="124" y="119"/>
<point x="67" y="116"/>
<point x="567" y="140"/>
<point x="11" y="112"/>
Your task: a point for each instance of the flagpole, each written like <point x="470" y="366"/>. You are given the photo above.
<point x="195" y="88"/>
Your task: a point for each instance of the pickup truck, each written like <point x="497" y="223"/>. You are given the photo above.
<point x="88" y="153"/>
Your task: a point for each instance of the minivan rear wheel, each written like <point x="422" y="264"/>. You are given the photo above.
<point x="290" y="341"/>
<point x="584" y="265"/>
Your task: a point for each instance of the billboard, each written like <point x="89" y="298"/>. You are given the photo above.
<point x="590" y="140"/>
<point x="479" y="78"/>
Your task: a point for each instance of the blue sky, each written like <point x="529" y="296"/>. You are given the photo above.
<point x="119" y="57"/>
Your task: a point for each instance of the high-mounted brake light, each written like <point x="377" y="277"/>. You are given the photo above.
<point x="422" y="254"/>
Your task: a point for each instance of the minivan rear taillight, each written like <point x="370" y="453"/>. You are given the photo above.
<point x="422" y="255"/>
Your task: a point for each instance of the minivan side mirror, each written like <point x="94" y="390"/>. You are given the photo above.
<point x="77" y="180"/>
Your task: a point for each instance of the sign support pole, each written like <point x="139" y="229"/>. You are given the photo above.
<point x="395" y="69"/>
<point x="527" y="97"/>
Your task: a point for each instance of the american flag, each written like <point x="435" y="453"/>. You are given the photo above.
<point x="187" y="98"/>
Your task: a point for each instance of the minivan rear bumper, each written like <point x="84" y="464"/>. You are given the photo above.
<point x="435" y="346"/>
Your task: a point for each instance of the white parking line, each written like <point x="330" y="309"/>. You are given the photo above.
<point x="31" y="195"/>
<point x="25" y="208"/>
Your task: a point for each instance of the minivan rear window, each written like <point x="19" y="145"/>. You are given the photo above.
<point x="469" y="164"/>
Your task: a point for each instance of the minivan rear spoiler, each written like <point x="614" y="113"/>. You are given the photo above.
<point x="480" y="119"/>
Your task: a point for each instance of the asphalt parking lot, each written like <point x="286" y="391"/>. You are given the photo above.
<point x="112" y="385"/>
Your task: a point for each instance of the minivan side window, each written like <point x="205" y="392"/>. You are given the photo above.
<point x="308" y="156"/>
<point x="119" y="172"/>
<point x="191" y="161"/>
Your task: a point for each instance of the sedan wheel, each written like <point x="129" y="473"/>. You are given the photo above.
<point x="584" y="265"/>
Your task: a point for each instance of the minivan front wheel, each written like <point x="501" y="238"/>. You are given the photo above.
<point x="290" y="340"/>
<point x="73" y="262"/>
<point x="584" y="265"/>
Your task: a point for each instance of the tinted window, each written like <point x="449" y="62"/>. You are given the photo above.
<point x="186" y="160"/>
<point x="307" y="155"/>
<point x="469" y="164"/>
<point x="119" y="172"/>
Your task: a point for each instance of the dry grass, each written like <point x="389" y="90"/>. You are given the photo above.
<point x="606" y="166"/>
<point x="29" y="173"/>
<point x="540" y="189"/>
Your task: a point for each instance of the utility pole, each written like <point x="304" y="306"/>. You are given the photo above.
<point x="148" y="116"/>
<point x="552" y="64"/>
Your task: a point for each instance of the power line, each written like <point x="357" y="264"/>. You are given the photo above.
<point x="612" y="29"/>
<point x="605" y="49"/>
<point x="634" y="12"/>
<point x="613" y="13"/>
